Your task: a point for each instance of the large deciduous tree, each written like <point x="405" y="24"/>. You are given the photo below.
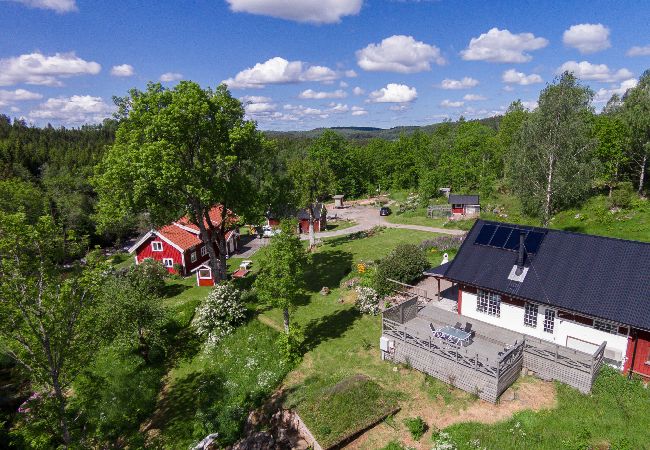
<point x="636" y="112"/>
<point x="45" y="312"/>
<point x="182" y="151"/>
<point x="551" y="160"/>
<point x="313" y="181"/>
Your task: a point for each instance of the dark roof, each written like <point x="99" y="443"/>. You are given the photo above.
<point x="319" y="209"/>
<point x="602" y="277"/>
<point x="463" y="199"/>
<point x="439" y="271"/>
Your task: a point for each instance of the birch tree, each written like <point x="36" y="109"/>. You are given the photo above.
<point x="45" y="312"/>
<point x="181" y="151"/>
<point x="551" y="161"/>
<point x="636" y="112"/>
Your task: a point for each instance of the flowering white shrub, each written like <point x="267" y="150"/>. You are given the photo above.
<point x="367" y="300"/>
<point x="443" y="441"/>
<point x="219" y="313"/>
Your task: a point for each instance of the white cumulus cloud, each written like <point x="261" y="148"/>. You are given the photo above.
<point x="511" y="76"/>
<point x="122" y="70"/>
<point x="474" y="97"/>
<point x="595" y="72"/>
<point x="59" y="6"/>
<point x="8" y="97"/>
<point x="394" y="93"/>
<point x="587" y="37"/>
<point x="359" y="111"/>
<point x="639" y="51"/>
<point x="451" y="104"/>
<point x="171" y="76"/>
<point x="399" y="53"/>
<point x="603" y="94"/>
<point x="313" y="11"/>
<point x="463" y="83"/>
<point x="358" y="91"/>
<point x="311" y="94"/>
<point x="36" y="68"/>
<point x="503" y="46"/>
<point x="74" y="110"/>
<point x="280" y="71"/>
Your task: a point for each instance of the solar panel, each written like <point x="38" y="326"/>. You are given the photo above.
<point x="485" y="235"/>
<point x="500" y="236"/>
<point x="533" y="241"/>
<point x="513" y="241"/>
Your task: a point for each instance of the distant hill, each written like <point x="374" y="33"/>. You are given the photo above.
<point x="365" y="133"/>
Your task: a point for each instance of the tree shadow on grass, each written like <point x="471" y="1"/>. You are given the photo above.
<point x="329" y="327"/>
<point x="327" y="268"/>
<point x="172" y="290"/>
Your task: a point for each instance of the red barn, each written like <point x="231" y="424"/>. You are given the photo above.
<point x="179" y="248"/>
<point x="320" y="219"/>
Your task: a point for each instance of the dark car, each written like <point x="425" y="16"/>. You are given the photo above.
<point x="384" y="211"/>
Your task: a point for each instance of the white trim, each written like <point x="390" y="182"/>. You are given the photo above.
<point x="136" y="260"/>
<point x="193" y="257"/>
<point x="168" y="259"/>
<point x="204" y="265"/>
<point x="209" y="277"/>
<point x="183" y="227"/>
<point x="168" y="241"/>
<point x="155" y="244"/>
<point x="204" y="250"/>
<point x="142" y="240"/>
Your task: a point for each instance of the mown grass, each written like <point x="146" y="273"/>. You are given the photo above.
<point x="616" y="415"/>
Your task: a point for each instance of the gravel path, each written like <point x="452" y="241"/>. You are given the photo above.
<point x="368" y="217"/>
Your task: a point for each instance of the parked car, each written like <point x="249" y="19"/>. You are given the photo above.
<point x="384" y="211"/>
<point x="268" y="231"/>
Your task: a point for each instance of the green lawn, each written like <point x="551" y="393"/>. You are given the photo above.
<point x="340" y="224"/>
<point x="416" y="217"/>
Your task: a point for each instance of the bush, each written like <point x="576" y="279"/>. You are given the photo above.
<point x="405" y="264"/>
<point x="622" y="196"/>
<point x="367" y="300"/>
<point x="148" y="277"/>
<point x="219" y="313"/>
<point x="416" y="427"/>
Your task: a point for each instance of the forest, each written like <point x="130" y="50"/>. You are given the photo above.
<point x="69" y="197"/>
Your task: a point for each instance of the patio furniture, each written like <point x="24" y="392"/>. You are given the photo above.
<point x="453" y="335"/>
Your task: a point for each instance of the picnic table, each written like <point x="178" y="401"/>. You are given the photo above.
<point x="454" y="335"/>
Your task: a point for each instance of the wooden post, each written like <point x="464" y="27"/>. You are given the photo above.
<point x="401" y="313"/>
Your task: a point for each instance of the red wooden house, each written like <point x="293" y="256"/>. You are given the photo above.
<point x="320" y="218"/>
<point x="179" y="248"/>
<point x="464" y="205"/>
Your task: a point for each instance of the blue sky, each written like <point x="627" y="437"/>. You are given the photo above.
<point x="303" y="64"/>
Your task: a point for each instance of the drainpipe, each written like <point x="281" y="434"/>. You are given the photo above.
<point x="636" y="341"/>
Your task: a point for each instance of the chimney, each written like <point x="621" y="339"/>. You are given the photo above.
<point x="522" y="253"/>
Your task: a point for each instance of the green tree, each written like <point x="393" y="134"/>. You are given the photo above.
<point x="612" y="149"/>
<point x="280" y="282"/>
<point x="17" y="195"/>
<point x="404" y="264"/>
<point x="551" y="164"/>
<point x="333" y="148"/>
<point x="509" y="127"/>
<point x="313" y="181"/>
<point x="636" y="113"/>
<point x="182" y="151"/>
<point x="46" y="313"/>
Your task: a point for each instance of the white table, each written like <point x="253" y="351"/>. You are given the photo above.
<point x="454" y="335"/>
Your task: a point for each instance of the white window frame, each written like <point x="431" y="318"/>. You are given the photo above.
<point x="549" y="321"/>
<point x="488" y="303"/>
<point x="156" y="246"/>
<point x="204" y="250"/>
<point x="530" y="315"/>
<point x="207" y="271"/>
<point x="193" y="256"/>
<point x="168" y="262"/>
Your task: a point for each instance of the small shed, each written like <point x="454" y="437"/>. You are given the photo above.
<point x="338" y="201"/>
<point x="464" y="205"/>
<point x="204" y="275"/>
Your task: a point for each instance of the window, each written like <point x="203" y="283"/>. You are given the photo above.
<point x="193" y="256"/>
<point x="606" y="327"/>
<point x="204" y="250"/>
<point x="530" y="315"/>
<point x="549" y="321"/>
<point x="156" y="246"/>
<point x="489" y="303"/>
<point x="204" y="274"/>
<point x="168" y="262"/>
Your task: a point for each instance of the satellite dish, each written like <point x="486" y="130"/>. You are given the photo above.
<point x="445" y="258"/>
